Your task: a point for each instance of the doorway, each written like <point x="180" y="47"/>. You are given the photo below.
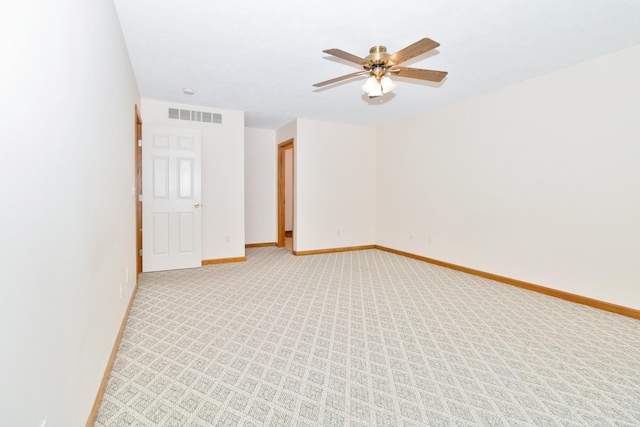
<point x="138" y="190"/>
<point x="285" y="195"/>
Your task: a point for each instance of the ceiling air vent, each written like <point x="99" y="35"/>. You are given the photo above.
<point x="195" y="116"/>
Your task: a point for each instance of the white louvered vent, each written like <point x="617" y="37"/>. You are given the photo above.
<point x="195" y="116"/>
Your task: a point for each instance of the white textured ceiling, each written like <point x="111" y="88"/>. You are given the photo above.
<point x="262" y="57"/>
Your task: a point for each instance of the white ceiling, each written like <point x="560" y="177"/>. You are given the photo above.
<point x="262" y="57"/>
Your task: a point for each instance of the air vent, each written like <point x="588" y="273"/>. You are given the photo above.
<point x="174" y="113"/>
<point x="195" y="116"/>
<point x="211" y="117"/>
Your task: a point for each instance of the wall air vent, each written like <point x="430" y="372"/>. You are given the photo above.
<point x="195" y="116"/>
<point x="174" y="113"/>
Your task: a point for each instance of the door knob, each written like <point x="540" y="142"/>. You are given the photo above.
<point x="197" y="205"/>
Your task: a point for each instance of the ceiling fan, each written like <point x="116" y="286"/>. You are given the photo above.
<point x="379" y="65"/>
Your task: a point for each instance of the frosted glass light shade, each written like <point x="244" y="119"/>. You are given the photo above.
<point x="387" y="84"/>
<point x="372" y="87"/>
<point x="370" y="84"/>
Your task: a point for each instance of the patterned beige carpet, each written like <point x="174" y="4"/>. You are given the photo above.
<point x="365" y="338"/>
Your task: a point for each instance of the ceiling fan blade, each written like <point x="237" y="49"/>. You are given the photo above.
<point x="345" y="55"/>
<point x="419" y="73"/>
<point x="338" y="79"/>
<point x="411" y="51"/>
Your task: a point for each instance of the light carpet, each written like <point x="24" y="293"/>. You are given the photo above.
<point x="365" y="338"/>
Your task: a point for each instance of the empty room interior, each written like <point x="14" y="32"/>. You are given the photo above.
<point x="287" y="213"/>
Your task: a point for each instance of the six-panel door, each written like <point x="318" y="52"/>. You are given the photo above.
<point x="171" y="191"/>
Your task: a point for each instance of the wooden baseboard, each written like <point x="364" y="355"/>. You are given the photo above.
<point x="260" y="245"/>
<point x="602" y="305"/>
<point x="223" y="260"/>
<point x="333" y="250"/>
<point x="93" y="415"/>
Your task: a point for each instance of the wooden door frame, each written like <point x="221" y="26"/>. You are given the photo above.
<point x="138" y="191"/>
<point x="282" y="147"/>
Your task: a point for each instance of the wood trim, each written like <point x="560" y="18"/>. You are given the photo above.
<point x="138" y="190"/>
<point x="223" y="260"/>
<point x="334" y="250"/>
<point x="260" y="245"/>
<point x="602" y="305"/>
<point x="93" y="415"/>
<point x="282" y="147"/>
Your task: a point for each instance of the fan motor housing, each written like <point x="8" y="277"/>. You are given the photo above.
<point x="377" y="58"/>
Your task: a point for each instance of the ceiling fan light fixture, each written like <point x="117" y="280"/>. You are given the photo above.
<point x="378" y="64"/>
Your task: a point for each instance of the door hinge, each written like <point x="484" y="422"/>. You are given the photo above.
<point x="139" y="197"/>
<point x="139" y="143"/>
<point x="140" y="252"/>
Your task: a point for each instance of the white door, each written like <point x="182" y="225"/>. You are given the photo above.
<point x="171" y="190"/>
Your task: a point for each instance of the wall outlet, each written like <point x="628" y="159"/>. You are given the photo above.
<point x="227" y="239"/>
<point x="337" y="232"/>
<point x="430" y="239"/>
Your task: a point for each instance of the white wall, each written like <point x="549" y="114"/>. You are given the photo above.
<point x="261" y="187"/>
<point x="222" y="175"/>
<point x="539" y="181"/>
<point x="67" y="225"/>
<point x="334" y="185"/>
<point x="287" y="132"/>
